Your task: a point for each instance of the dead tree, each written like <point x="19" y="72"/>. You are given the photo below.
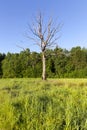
<point x="44" y="35"/>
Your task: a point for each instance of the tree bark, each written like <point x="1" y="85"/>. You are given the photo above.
<point x="44" y="66"/>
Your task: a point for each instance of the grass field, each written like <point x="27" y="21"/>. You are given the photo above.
<point x="33" y="104"/>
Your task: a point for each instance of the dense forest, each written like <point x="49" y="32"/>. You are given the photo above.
<point x="60" y="63"/>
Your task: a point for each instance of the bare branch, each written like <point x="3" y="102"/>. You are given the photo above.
<point x="36" y="41"/>
<point x="45" y="35"/>
<point x="33" y="29"/>
<point x="20" y="47"/>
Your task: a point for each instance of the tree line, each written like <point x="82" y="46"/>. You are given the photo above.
<point x="60" y="63"/>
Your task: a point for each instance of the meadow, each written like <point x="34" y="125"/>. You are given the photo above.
<point x="33" y="104"/>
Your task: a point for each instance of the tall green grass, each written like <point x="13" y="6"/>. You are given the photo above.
<point x="33" y="104"/>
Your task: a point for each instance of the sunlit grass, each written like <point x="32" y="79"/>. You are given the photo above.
<point x="33" y="104"/>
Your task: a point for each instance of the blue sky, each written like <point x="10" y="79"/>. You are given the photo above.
<point x="16" y="14"/>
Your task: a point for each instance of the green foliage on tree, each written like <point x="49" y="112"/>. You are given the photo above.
<point x="59" y="63"/>
<point x="2" y="56"/>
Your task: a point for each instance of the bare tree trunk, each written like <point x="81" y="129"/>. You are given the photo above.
<point x="44" y="66"/>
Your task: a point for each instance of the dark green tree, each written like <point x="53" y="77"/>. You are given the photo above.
<point x="2" y="57"/>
